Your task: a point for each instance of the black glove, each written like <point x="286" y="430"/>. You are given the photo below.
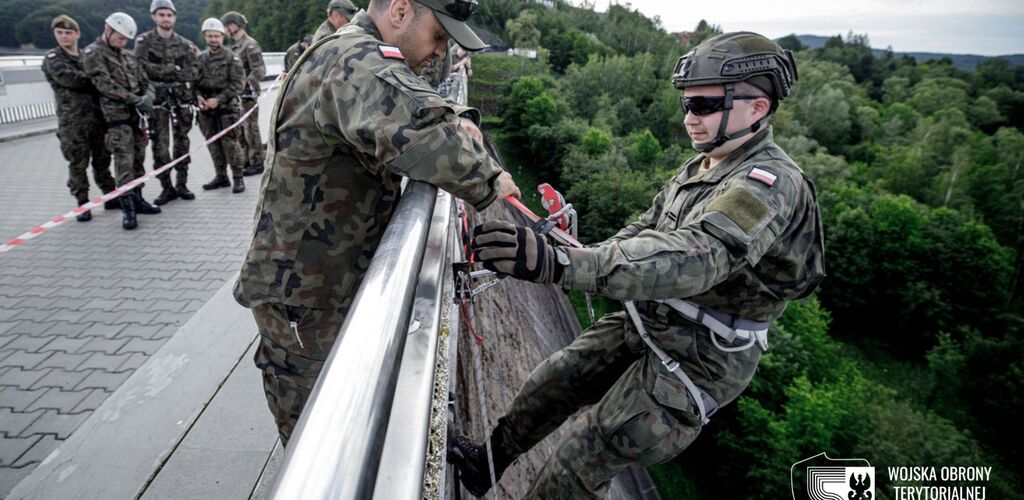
<point x="516" y="251"/>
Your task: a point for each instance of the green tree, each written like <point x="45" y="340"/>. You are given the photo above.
<point x="523" y="30"/>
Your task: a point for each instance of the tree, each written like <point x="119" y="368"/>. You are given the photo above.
<point x="791" y="42"/>
<point x="523" y="30"/>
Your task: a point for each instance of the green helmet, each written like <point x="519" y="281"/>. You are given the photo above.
<point x="346" y="7"/>
<point x="233" y="17"/>
<point x="730" y="58"/>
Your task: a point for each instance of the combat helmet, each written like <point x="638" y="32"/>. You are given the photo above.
<point x="212" y="24"/>
<point x="162" y="4"/>
<point x="234" y="17"/>
<point x="730" y="58"/>
<point x="121" y="23"/>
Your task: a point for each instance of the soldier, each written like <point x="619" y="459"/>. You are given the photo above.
<point x="339" y="13"/>
<point x="125" y="101"/>
<point x="220" y="83"/>
<point x="727" y="243"/>
<point x="79" y="119"/>
<point x="170" y="62"/>
<point x="252" y="61"/>
<point x="295" y="51"/>
<point x="351" y="119"/>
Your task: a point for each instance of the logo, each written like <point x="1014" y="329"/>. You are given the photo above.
<point x="823" y="478"/>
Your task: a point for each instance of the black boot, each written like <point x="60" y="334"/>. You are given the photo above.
<point x="239" y="185"/>
<point x="114" y="204"/>
<point x="141" y="205"/>
<point x="167" y="195"/>
<point x="252" y="170"/>
<point x="221" y="181"/>
<point x="128" y="220"/>
<point x="85" y="216"/>
<point x="184" y="193"/>
<point x="471" y="459"/>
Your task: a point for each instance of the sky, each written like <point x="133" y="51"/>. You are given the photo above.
<point x="984" y="27"/>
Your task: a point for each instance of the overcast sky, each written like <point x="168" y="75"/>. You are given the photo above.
<point x="986" y="27"/>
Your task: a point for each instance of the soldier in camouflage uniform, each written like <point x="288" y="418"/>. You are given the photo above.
<point x="124" y="99"/>
<point x="79" y="119"/>
<point x="220" y="82"/>
<point x="295" y="51"/>
<point x="339" y="13"/>
<point x="248" y="50"/>
<point x="351" y="120"/>
<point x="736" y="234"/>
<point x="170" y="62"/>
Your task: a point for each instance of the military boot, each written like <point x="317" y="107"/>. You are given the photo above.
<point x="128" y="220"/>
<point x="141" y="205"/>
<point x="112" y="204"/>
<point x="85" y="216"/>
<point x="239" y="185"/>
<point x="167" y="195"/>
<point x="471" y="460"/>
<point x="184" y="193"/>
<point x="221" y="181"/>
<point x="252" y="170"/>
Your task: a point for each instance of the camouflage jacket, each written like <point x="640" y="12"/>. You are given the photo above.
<point x="252" y="62"/>
<point x="168" y="61"/>
<point x="115" y="73"/>
<point x="292" y="55"/>
<point x="78" y="102"/>
<point x="324" y="30"/>
<point x="220" y="77"/>
<point x="350" y="121"/>
<point x="743" y="238"/>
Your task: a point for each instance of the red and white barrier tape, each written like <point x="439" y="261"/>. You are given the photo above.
<point x="98" y="201"/>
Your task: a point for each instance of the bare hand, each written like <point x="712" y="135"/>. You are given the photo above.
<point x="201" y="102"/>
<point x="506" y="187"/>
<point x="212" y="103"/>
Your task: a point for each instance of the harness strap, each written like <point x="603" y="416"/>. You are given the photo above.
<point x="706" y="405"/>
<point x="724" y="325"/>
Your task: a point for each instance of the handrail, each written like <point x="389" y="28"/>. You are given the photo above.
<point x="344" y="434"/>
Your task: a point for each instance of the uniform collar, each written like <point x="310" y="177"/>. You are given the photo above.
<point x="363" y="20"/>
<point x="731" y="162"/>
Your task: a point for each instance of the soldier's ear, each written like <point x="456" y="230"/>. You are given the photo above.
<point x="400" y="12"/>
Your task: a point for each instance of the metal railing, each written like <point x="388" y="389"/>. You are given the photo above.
<point x="364" y="430"/>
<point x="27" y="112"/>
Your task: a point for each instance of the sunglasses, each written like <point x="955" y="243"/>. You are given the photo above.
<point x="460" y="10"/>
<point x="705" y="105"/>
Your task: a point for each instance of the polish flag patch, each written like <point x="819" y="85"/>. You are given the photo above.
<point x="390" y="51"/>
<point x="764" y="176"/>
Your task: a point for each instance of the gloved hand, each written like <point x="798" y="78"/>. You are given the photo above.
<point x="516" y="251"/>
<point x="143" y="103"/>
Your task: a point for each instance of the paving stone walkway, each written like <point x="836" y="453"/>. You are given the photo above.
<point x="84" y="305"/>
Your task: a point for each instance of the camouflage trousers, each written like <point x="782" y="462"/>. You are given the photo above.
<point x="79" y="144"/>
<point x="250" y="139"/>
<point x="291" y="357"/>
<point x="128" y="147"/>
<point x="640" y="411"/>
<point x="161" y="130"/>
<point x="226" y="150"/>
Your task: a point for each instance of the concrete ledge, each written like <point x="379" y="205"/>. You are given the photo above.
<point x="120" y="448"/>
<point x="28" y="128"/>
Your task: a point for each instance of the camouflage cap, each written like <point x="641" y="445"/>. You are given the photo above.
<point x="737" y="57"/>
<point x="453" y="15"/>
<point x="64" y="22"/>
<point x="345" y="6"/>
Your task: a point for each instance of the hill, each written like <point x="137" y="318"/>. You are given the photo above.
<point x="965" y="62"/>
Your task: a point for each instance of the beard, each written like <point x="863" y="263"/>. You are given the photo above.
<point x="406" y="41"/>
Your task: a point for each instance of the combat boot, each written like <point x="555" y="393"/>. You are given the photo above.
<point x="167" y="195"/>
<point x="221" y="181"/>
<point x="128" y="220"/>
<point x="471" y="460"/>
<point x="239" y="185"/>
<point x="85" y="216"/>
<point x="184" y="193"/>
<point x="252" y="170"/>
<point x="112" y="204"/>
<point x="141" y="205"/>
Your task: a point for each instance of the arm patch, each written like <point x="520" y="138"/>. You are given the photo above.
<point x="741" y="207"/>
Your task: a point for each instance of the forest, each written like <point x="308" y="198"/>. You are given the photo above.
<point x="910" y="353"/>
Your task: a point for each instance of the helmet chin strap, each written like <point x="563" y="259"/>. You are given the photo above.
<point x="722" y="137"/>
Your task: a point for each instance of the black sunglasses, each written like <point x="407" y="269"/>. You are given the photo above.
<point x="460" y="10"/>
<point x="705" y="105"/>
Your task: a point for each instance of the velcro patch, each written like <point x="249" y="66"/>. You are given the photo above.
<point x="741" y="207"/>
<point x="764" y="176"/>
<point x="88" y="51"/>
<point x="51" y="55"/>
<point x="140" y="40"/>
<point x="391" y="51"/>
